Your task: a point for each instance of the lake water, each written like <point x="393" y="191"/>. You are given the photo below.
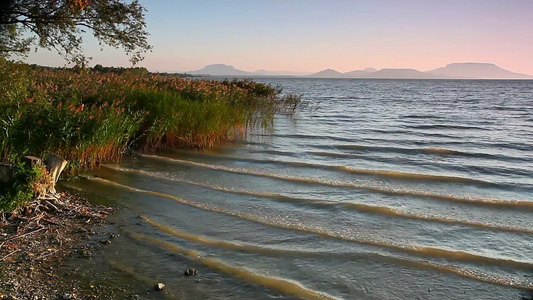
<point x="379" y="189"/>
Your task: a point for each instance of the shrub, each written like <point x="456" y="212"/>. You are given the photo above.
<point x="27" y="182"/>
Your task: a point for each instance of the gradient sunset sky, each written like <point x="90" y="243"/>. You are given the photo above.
<point x="312" y="35"/>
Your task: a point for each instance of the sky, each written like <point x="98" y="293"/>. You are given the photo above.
<point x="312" y="35"/>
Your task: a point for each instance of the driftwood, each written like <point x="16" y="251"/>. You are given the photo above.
<point x="54" y="166"/>
<point x="6" y="172"/>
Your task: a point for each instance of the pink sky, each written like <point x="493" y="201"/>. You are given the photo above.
<point x="313" y="35"/>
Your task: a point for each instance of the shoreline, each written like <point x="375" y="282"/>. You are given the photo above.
<point x="37" y="244"/>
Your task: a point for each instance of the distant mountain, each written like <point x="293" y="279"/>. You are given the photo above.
<point x="359" y="73"/>
<point x="454" y="70"/>
<point x="330" y="73"/>
<point x="219" y="70"/>
<point x="372" y="73"/>
<point x="327" y="73"/>
<point x="280" y="73"/>
<point x="476" y="70"/>
<point x="400" y="73"/>
<point x="226" y="70"/>
<point x="355" y="74"/>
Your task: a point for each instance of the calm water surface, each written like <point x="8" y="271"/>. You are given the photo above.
<point x="381" y="189"/>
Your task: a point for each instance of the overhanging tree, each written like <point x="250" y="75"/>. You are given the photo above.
<point x="60" y="24"/>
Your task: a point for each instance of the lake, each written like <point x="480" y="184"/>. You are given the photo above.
<point x="377" y="189"/>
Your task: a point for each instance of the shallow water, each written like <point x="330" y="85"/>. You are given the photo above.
<point x="381" y="189"/>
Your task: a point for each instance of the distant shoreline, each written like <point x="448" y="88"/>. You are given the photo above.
<point x="344" y="78"/>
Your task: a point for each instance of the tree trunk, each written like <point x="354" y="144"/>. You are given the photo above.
<point x="31" y="161"/>
<point x="6" y="172"/>
<point x="55" y="166"/>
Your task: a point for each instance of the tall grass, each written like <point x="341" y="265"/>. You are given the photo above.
<point x="92" y="117"/>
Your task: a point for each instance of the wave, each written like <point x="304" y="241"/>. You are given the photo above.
<point x="353" y="170"/>
<point x="138" y="277"/>
<point x="427" y="150"/>
<point x="333" y="154"/>
<point x="441" y="151"/>
<point x="312" y="137"/>
<point x="225" y="244"/>
<point x="419" y="116"/>
<point x="381" y="210"/>
<point x="407" y="175"/>
<point x="274" y="152"/>
<point x="275" y="283"/>
<point x="516" y="158"/>
<point x="467" y="273"/>
<point x="417" y="250"/>
<point x="446" y="126"/>
<point x="377" y="189"/>
<point x="493" y="169"/>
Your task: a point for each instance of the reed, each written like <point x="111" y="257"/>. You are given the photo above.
<point x="91" y="117"/>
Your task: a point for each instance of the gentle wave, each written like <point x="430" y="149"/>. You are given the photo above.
<point x="138" y="277"/>
<point x="417" y="250"/>
<point x="446" y="126"/>
<point x="407" y="175"/>
<point x="381" y="210"/>
<point x="333" y="154"/>
<point x="419" y="116"/>
<point x="493" y="169"/>
<point x="307" y="136"/>
<point x="353" y="170"/>
<point x="441" y="151"/>
<point x="274" y="152"/>
<point x="427" y="150"/>
<point x="275" y="283"/>
<point x="467" y="273"/>
<point x="376" y="189"/>
<point x="225" y="244"/>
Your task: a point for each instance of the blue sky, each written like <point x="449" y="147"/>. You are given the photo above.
<point x="311" y="35"/>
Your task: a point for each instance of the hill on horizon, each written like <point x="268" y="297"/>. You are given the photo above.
<point x="327" y="73"/>
<point x="373" y="73"/>
<point x="227" y="70"/>
<point x="219" y="70"/>
<point x="450" y="71"/>
<point x="477" y="70"/>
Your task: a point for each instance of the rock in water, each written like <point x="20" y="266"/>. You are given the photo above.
<point x="55" y="166"/>
<point x="159" y="286"/>
<point x="190" y="272"/>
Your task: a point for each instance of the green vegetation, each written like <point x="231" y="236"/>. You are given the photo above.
<point x="88" y="117"/>
<point x="27" y="182"/>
